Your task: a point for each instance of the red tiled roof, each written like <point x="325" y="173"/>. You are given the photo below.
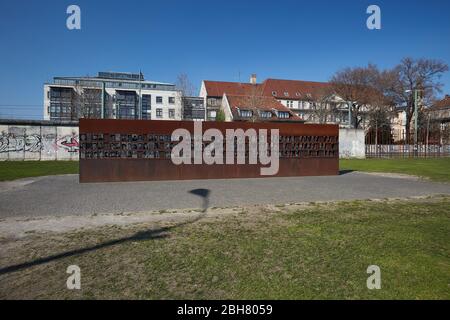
<point x="263" y="103"/>
<point x="442" y="104"/>
<point x="293" y="89"/>
<point x="280" y="89"/>
<point x="218" y="88"/>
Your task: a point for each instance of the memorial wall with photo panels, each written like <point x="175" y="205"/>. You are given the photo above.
<point x="141" y="150"/>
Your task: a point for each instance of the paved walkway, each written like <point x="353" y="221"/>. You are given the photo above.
<point x="63" y="195"/>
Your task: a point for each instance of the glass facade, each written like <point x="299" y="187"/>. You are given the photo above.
<point x="70" y="98"/>
<point x="146" y="106"/>
<point x="61" y="101"/>
<point x="97" y="83"/>
<point x="193" y="108"/>
<point x="126" y="104"/>
<point x="91" y="103"/>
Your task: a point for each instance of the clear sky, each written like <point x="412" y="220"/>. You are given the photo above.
<point x="208" y="39"/>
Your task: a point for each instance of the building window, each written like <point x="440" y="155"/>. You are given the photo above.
<point x="245" y="113"/>
<point x="126" y="104"/>
<point x="212" y="102"/>
<point x="274" y="93"/>
<point x="171" y="100"/>
<point x="159" y="100"/>
<point x="172" y="113"/>
<point x="212" y="114"/>
<point x="283" y="114"/>
<point x="159" y="113"/>
<point x="146" y="106"/>
<point x="290" y="103"/>
<point x="266" y="114"/>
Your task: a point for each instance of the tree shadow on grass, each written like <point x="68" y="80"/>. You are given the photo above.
<point x="152" y="234"/>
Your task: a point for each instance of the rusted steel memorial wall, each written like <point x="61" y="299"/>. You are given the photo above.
<point x="140" y="150"/>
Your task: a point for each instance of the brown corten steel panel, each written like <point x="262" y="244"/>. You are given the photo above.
<point x="145" y="169"/>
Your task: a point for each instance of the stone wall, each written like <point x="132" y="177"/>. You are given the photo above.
<point x="352" y="143"/>
<point x="47" y="140"/>
<point x="38" y="140"/>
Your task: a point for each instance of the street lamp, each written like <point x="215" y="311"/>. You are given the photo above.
<point x="416" y="114"/>
<point x="349" y="114"/>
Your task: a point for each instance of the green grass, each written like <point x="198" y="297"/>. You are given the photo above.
<point x="437" y="169"/>
<point x="321" y="251"/>
<point x="11" y="170"/>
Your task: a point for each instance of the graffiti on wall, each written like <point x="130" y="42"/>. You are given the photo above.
<point x="69" y="143"/>
<point x="15" y="143"/>
<point x="50" y="142"/>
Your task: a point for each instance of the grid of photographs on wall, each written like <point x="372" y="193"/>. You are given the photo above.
<point x="159" y="146"/>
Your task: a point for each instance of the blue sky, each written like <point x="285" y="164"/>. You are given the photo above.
<point x="208" y="39"/>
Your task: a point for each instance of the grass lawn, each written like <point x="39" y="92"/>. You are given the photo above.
<point x="11" y="170"/>
<point x="437" y="169"/>
<point x="286" y="252"/>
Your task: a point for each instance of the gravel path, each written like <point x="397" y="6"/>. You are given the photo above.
<point x="64" y="196"/>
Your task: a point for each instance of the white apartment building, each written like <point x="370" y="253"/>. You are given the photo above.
<point x="111" y="95"/>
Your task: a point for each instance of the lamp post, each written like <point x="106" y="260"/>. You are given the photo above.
<point x="103" y="100"/>
<point x="140" y="96"/>
<point x="416" y="117"/>
<point x="349" y="114"/>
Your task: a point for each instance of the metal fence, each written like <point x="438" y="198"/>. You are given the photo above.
<point x="406" y="150"/>
<point x="386" y="143"/>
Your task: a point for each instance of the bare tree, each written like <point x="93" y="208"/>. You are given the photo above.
<point x="255" y="100"/>
<point x="354" y="85"/>
<point x="323" y="105"/>
<point x="185" y="89"/>
<point x="369" y="91"/>
<point x="380" y="111"/>
<point x="252" y="100"/>
<point x="86" y="102"/>
<point x="382" y="104"/>
<point x="184" y="85"/>
<point x="417" y="74"/>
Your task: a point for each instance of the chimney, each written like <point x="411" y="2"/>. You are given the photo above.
<point x="253" y="79"/>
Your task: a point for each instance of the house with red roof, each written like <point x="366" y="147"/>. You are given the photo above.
<point x="256" y="108"/>
<point x="299" y="98"/>
<point x="439" y="117"/>
<point x="440" y="110"/>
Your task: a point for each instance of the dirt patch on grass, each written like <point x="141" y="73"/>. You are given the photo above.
<point x="396" y="176"/>
<point x="16" y="228"/>
<point x="294" y="251"/>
